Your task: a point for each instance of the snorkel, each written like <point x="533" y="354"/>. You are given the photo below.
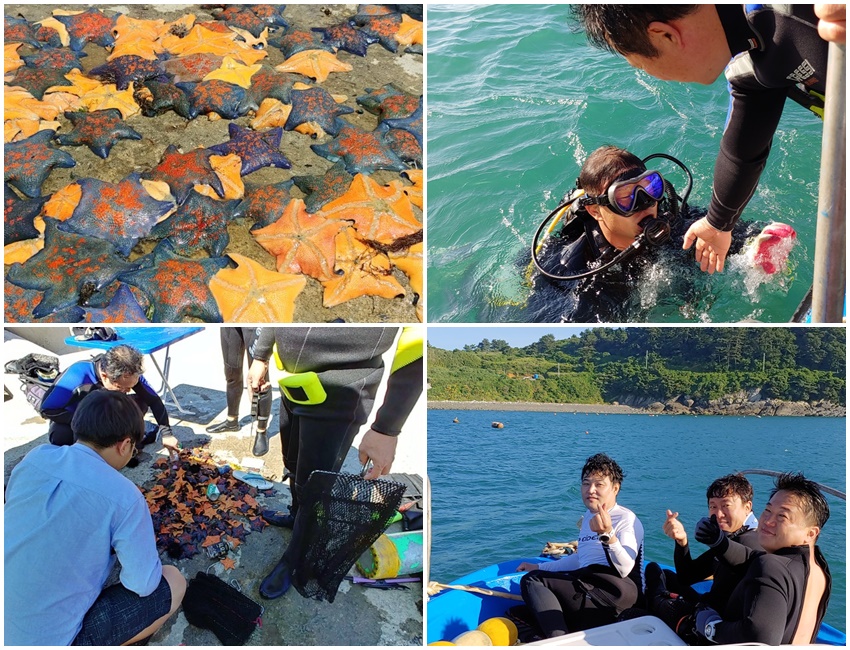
<point x="655" y="232"/>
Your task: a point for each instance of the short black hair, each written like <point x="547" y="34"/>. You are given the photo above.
<point x="811" y="499"/>
<point x="605" y="465"/>
<point x="605" y="165"/>
<point x="623" y="29"/>
<point x="105" y="417"/>
<point x="730" y="485"/>
<point x="120" y="361"/>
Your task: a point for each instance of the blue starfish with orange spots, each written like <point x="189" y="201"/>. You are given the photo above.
<point x="264" y="204"/>
<point x="322" y="189"/>
<point x="257" y="149"/>
<point x="318" y="106"/>
<point x="123" y="308"/>
<point x="98" y="130"/>
<point x="55" y="58"/>
<point x="345" y="37"/>
<point x="19" y="303"/>
<point x="178" y="287"/>
<point x="18" y="216"/>
<point x="92" y="26"/>
<point x="68" y="264"/>
<point x="215" y="96"/>
<point x="29" y="162"/>
<point x="119" y="213"/>
<point x="38" y="80"/>
<point x="199" y="224"/>
<point x="127" y="69"/>
<point x="360" y="151"/>
<point x="182" y="171"/>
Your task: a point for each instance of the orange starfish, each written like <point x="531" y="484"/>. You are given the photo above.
<point x="229" y="171"/>
<point x="200" y="40"/>
<point x="19" y="104"/>
<point x="410" y="31"/>
<point x="63" y="202"/>
<point x="108" y="96"/>
<point x="272" y="113"/>
<point x="317" y="64"/>
<point x="415" y="192"/>
<point x="21" y="251"/>
<point x="22" y="128"/>
<point x="410" y="262"/>
<point x="11" y="60"/>
<point x="251" y="293"/>
<point x="234" y="72"/>
<point x="59" y="27"/>
<point x="381" y="214"/>
<point x="227" y="563"/>
<point x="80" y="84"/>
<point x="247" y="55"/>
<point x="301" y="242"/>
<point x="366" y="272"/>
<point x="138" y="47"/>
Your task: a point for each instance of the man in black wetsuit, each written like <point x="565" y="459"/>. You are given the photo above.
<point x="669" y="595"/>
<point x="770" y="53"/>
<point x="332" y="376"/>
<point x="784" y="593"/>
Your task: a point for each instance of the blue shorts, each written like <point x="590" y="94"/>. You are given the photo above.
<point x="119" y="614"/>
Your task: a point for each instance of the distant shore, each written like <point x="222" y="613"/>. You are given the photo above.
<point x="533" y="406"/>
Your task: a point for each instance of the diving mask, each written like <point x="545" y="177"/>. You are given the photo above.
<point x="630" y="195"/>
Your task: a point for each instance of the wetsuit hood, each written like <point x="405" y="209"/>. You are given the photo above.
<point x="739" y="35"/>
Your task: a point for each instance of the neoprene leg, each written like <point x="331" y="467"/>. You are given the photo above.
<point x="545" y="605"/>
<point x="233" y="351"/>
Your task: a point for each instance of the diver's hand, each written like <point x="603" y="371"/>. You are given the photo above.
<point x="257" y="376"/>
<point x="832" y="25"/>
<point x="712" y="245"/>
<point x="528" y="566"/>
<point x="380" y="449"/>
<point x="674" y="529"/>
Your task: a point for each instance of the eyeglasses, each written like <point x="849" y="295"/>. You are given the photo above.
<point x="135" y="450"/>
<point x="631" y="195"/>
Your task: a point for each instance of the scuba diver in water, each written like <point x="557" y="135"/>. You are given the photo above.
<point x="622" y="222"/>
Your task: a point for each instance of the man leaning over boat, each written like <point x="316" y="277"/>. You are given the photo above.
<point x="593" y="586"/>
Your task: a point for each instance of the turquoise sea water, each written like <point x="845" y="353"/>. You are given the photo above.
<point x="516" y="101"/>
<point x="500" y="494"/>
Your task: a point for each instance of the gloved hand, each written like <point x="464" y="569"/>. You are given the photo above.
<point x="709" y="533"/>
<point x="705" y="615"/>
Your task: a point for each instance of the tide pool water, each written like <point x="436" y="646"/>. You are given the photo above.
<point x="516" y="102"/>
<point x="499" y="494"/>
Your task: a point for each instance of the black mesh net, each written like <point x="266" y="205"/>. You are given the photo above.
<point x="341" y="515"/>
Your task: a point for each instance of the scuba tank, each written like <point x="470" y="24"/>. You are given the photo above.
<point x="656" y="231"/>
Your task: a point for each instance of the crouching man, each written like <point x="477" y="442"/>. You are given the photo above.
<point x="69" y="516"/>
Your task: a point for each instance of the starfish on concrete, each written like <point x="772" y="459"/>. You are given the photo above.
<point x="199" y="224"/>
<point x="268" y="83"/>
<point x="234" y="72"/>
<point x="251" y="293"/>
<point x="383" y="28"/>
<point x="98" y="130"/>
<point x="360" y="151"/>
<point x="37" y="80"/>
<point x="257" y="149"/>
<point x="215" y="97"/>
<point x="272" y="113"/>
<point x="381" y="214"/>
<point x="67" y="265"/>
<point x="264" y="204"/>
<point x="317" y="108"/>
<point x="108" y="96"/>
<point x="324" y="188"/>
<point x="301" y="243"/>
<point x="345" y="37"/>
<point x="299" y="40"/>
<point x="29" y="162"/>
<point x="317" y="64"/>
<point x="123" y="308"/>
<point x="364" y="272"/>
<point x="19" y="303"/>
<point x="18" y="217"/>
<point x="55" y="59"/>
<point x="91" y="26"/>
<point x="120" y="213"/>
<point x="192" y="67"/>
<point x="177" y="287"/>
<point x="155" y="98"/>
<point x="128" y="69"/>
<point x="182" y="171"/>
<point x="410" y="261"/>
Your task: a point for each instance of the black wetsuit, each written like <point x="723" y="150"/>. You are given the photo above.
<point x="613" y="295"/>
<point x="765" y="607"/>
<point x="691" y="570"/>
<point x="775" y="47"/>
<point x="235" y="344"/>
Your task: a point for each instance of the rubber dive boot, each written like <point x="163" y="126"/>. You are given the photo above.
<point x="278" y="581"/>
<point x="221" y="427"/>
<point x="261" y="443"/>
<point x="279" y="518"/>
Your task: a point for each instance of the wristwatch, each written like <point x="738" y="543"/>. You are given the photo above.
<point x="606" y="537"/>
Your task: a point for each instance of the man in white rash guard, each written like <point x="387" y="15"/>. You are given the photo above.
<point x="605" y="575"/>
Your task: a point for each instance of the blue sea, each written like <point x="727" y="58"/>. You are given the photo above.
<point x="516" y="102"/>
<point x="499" y="494"/>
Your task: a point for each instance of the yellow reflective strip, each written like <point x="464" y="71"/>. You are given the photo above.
<point x="410" y="347"/>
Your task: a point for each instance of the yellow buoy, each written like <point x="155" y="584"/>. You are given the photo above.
<point x="473" y="637"/>
<point x="441" y="643"/>
<point x="501" y="631"/>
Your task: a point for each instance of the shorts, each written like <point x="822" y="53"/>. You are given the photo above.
<point x="119" y="614"/>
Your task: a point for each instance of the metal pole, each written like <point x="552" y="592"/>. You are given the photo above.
<point x="828" y="293"/>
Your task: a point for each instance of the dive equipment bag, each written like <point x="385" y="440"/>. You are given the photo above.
<point x="37" y="373"/>
<point x="212" y="604"/>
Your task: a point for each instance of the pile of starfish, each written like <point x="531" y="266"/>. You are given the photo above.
<point x="185" y="520"/>
<point x="70" y="255"/>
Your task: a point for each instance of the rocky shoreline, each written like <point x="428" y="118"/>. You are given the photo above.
<point x="729" y="405"/>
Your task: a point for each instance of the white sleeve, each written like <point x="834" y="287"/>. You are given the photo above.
<point x="623" y="553"/>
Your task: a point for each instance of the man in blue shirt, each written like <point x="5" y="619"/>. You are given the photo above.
<point x="69" y="515"/>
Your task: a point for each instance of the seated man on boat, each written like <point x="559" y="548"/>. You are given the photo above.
<point x="669" y="595"/>
<point x="784" y="593"/>
<point x="603" y="577"/>
<point x="623" y="225"/>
